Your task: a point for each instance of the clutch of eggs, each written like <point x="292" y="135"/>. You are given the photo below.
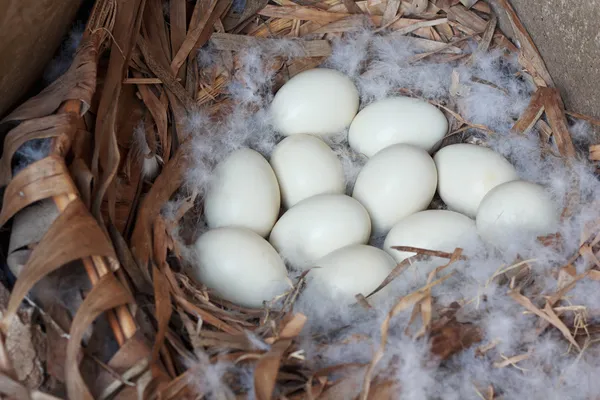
<point x="297" y="199"/>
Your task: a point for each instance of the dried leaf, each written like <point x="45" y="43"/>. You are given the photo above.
<point x="391" y="9"/>
<point x="162" y="299"/>
<point x="302" y="13"/>
<point x="467" y="18"/>
<point x="73" y="235"/>
<point x="78" y="83"/>
<point x="230" y="42"/>
<point x="43" y="179"/>
<point x="94" y="304"/>
<point x="547" y="314"/>
<point x="35" y="128"/>
<point x="532" y="113"/>
<point x="528" y="48"/>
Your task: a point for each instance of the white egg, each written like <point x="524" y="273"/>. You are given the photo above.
<point x="439" y="230"/>
<point x="516" y="208"/>
<point x="240" y="266"/>
<point x="305" y="166"/>
<point x="466" y="172"/>
<point x="350" y="270"/>
<point x="398" y="181"/>
<point x="318" y="101"/>
<point x="396" y="120"/>
<point x="319" y="225"/>
<point x="244" y="193"/>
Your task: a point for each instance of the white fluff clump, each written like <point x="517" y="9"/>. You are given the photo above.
<point x="491" y="93"/>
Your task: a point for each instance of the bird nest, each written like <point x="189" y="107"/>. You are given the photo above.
<point x="101" y="221"/>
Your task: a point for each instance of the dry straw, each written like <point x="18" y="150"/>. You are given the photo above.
<point x="170" y="331"/>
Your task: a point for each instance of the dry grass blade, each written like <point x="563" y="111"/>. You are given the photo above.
<point x="528" y="48"/>
<point x="531" y="115"/>
<point x="73" y="235"/>
<point x="302" y="13"/>
<point x="547" y="315"/>
<point x="556" y="118"/>
<point x="202" y="11"/>
<point x="467" y="18"/>
<point x="107" y="294"/>
<point x="162" y="299"/>
<point x="43" y="179"/>
<point x="403" y="304"/>
<point x="227" y="41"/>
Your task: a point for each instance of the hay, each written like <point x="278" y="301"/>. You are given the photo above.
<point x="115" y="118"/>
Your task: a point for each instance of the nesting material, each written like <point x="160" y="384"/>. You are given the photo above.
<point x="233" y="315"/>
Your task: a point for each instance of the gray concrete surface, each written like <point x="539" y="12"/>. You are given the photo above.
<point x="567" y="34"/>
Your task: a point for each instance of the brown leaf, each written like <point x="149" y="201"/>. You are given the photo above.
<point x="528" y="48"/>
<point x="161" y="191"/>
<point x="78" y="83"/>
<point x="251" y="8"/>
<point x="547" y="314"/>
<point x="106" y="153"/>
<point x="555" y="112"/>
<point x="36" y="128"/>
<point x="452" y="337"/>
<point x="205" y="12"/>
<point x="108" y="293"/>
<point x="43" y="179"/>
<point x="162" y="299"/>
<point x="228" y="41"/>
<point x="391" y="9"/>
<point x="73" y="235"/>
<point x="265" y="373"/>
<point x="302" y="13"/>
<point x="532" y="113"/>
<point x="467" y="18"/>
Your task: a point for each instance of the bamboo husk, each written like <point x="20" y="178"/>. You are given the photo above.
<point x="126" y="246"/>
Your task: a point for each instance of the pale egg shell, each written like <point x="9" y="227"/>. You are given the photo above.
<point x="319" y="225"/>
<point x="467" y="172"/>
<point x="439" y="230"/>
<point x="396" y="120"/>
<point x="398" y="181"/>
<point x="305" y="166"/>
<point x="240" y="266"/>
<point x="244" y="193"/>
<point x="319" y="101"/>
<point x="516" y="208"/>
<point x="345" y="272"/>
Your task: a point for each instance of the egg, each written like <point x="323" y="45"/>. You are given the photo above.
<point x="319" y="225"/>
<point x="305" y="166"/>
<point x="466" y="172"/>
<point x="240" y="266"/>
<point x="516" y="208"/>
<point x="319" y="101"/>
<point x="350" y="270"/>
<point x="244" y="193"/>
<point x="439" y="230"/>
<point x="396" y="120"/>
<point x="397" y="181"/>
